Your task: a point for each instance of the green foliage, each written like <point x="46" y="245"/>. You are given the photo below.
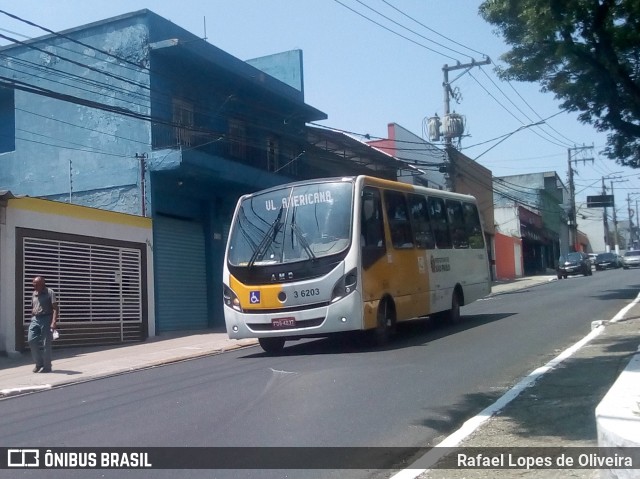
<point x="587" y="52"/>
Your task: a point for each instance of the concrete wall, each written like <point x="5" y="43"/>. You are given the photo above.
<point x="69" y="219"/>
<point x="286" y="67"/>
<point x="508" y="257"/>
<point x="71" y="152"/>
<point x="509" y="260"/>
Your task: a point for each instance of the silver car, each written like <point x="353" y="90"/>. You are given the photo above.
<point x="631" y="258"/>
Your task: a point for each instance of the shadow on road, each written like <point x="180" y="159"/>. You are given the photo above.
<point x="626" y="293"/>
<point x="416" y="333"/>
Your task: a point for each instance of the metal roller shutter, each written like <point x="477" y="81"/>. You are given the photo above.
<point x="98" y="289"/>
<point x="181" y="282"/>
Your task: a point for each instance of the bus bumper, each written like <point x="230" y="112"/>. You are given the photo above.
<point x="341" y="316"/>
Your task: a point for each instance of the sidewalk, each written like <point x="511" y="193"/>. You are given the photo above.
<point x="72" y="365"/>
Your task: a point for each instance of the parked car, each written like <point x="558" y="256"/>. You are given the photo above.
<point x="631" y="258"/>
<point x="607" y="261"/>
<point x="574" y="263"/>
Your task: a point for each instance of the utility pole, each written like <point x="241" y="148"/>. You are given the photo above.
<point x="615" y="220"/>
<point x="631" y="213"/>
<point x="573" y="224"/>
<point x="143" y="194"/>
<point x="605" y="221"/>
<point x="448" y="93"/>
<point x="634" y="232"/>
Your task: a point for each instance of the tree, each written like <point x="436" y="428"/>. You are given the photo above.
<point x="587" y="52"/>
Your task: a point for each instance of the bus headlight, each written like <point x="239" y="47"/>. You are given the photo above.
<point x="345" y="285"/>
<point x="230" y="298"/>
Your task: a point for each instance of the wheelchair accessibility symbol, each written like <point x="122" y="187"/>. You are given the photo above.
<point x="254" y="297"/>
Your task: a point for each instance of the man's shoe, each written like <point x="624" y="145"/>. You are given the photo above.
<point x="37" y="369"/>
<point x="45" y="370"/>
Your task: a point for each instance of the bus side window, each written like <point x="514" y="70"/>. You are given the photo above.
<point x="474" y="227"/>
<point x="439" y="222"/>
<point x="398" y="218"/>
<point x="420" y="220"/>
<point x="372" y="226"/>
<point x="456" y="224"/>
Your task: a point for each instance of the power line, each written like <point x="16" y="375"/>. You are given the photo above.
<point x="394" y="32"/>
<point x="511" y="113"/>
<point x="82" y="65"/>
<point x="564" y="144"/>
<point x="432" y="30"/>
<point x="408" y="29"/>
<point x="536" y="113"/>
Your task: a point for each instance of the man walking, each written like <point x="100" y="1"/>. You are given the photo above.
<point x="43" y="322"/>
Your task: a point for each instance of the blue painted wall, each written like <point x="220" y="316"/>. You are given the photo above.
<point x="67" y="151"/>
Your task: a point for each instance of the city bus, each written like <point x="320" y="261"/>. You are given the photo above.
<point x="324" y="256"/>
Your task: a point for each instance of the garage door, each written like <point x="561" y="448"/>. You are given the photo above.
<point x="180" y="272"/>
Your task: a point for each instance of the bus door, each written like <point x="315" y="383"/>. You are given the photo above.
<point x="373" y="253"/>
<point x="408" y="283"/>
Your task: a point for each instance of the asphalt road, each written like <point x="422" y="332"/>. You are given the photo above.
<point x="336" y="393"/>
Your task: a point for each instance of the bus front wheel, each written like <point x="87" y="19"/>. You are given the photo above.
<point x="272" y="345"/>
<point x="385" y="326"/>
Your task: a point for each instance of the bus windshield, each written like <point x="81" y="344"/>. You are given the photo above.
<point x="296" y="223"/>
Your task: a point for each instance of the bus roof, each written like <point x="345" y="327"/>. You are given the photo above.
<point x="372" y="181"/>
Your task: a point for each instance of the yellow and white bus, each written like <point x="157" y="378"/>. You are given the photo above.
<point x="324" y="256"/>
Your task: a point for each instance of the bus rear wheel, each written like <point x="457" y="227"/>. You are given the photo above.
<point x="272" y="345"/>
<point x="452" y="315"/>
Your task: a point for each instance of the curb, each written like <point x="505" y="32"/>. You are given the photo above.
<point x="20" y="391"/>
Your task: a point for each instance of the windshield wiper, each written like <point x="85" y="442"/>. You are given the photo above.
<point x="242" y="219"/>
<point x="269" y="238"/>
<point x="300" y="236"/>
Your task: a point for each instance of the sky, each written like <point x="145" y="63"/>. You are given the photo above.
<point x="368" y="63"/>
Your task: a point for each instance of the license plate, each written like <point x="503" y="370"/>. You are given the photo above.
<point x="283" y="323"/>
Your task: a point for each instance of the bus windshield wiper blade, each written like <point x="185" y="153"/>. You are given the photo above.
<point x="300" y="236"/>
<point x="242" y="220"/>
<point x="269" y="238"/>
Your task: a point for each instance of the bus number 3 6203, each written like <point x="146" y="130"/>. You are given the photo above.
<point x="303" y="293"/>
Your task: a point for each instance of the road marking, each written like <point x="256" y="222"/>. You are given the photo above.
<point x="278" y="371"/>
<point x="434" y="455"/>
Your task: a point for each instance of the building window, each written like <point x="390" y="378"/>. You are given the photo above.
<point x="183" y="121"/>
<point x="7" y="120"/>
<point x="273" y="154"/>
<point x="237" y="139"/>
